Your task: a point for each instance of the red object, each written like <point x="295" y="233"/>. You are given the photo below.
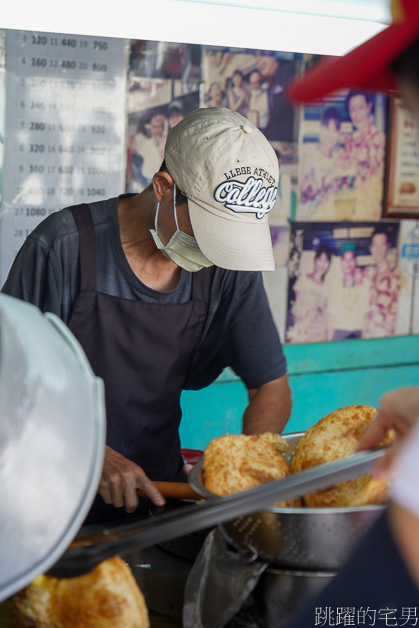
<point x="191" y="456"/>
<point x="368" y="66"/>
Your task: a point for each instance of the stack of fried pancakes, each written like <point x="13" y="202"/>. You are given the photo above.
<point x="238" y="462"/>
<point x="107" y="597"/>
<point x="234" y="463"/>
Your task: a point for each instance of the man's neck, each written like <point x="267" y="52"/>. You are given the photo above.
<point x="136" y="218"/>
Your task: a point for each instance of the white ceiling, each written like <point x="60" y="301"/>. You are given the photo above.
<point x="374" y="10"/>
<point x="316" y="26"/>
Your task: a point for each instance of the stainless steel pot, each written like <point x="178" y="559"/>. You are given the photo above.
<point x="52" y="441"/>
<point x="296" y="538"/>
<point x="281" y="592"/>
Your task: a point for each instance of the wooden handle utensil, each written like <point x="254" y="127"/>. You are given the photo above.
<point x="175" y="490"/>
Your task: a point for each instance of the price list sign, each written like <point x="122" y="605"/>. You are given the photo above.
<point x="65" y="128"/>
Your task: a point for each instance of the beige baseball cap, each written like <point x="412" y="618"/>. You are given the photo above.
<point x="229" y="172"/>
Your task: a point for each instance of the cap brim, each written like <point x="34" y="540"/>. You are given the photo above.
<point x="231" y="244"/>
<point x="367" y="67"/>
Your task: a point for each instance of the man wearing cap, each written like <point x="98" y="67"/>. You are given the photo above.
<point x="148" y="284"/>
<point x="382" y="575"/>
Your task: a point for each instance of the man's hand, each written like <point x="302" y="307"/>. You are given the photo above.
<point x="120" y="480"/>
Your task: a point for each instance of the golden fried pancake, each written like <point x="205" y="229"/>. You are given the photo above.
<point x="332" y="438"/>
<point x="238" y="462"/>
<point x="107" y="597"/>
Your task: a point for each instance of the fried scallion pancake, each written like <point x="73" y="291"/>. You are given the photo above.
<point x="332" y="438"/>
<point x="237" y="462"/>
<point x="107" y="597"/>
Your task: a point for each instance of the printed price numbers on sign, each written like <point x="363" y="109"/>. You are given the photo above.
<point x="96" y="192"/>
<point x="65" y="122"/>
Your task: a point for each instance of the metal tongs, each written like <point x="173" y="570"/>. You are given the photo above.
<point x="86" y="553"/>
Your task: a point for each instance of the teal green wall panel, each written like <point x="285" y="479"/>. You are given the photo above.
<point x="314" y="396"/>
<point x="212" y="412"/>
<point x="323" y="377"/>
<point x="352" y="354"/>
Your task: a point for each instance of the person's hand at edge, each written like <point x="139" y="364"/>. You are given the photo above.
<point x="398" y="410"/>
<point x="120" y="480"/>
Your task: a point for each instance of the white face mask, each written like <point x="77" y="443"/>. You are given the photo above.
<point x="182" y="248"/>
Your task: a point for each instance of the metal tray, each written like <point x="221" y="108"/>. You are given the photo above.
<point x="296" y="538"/>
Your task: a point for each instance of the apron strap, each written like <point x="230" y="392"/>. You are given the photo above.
<point x="87" y="246"/>
<point x="201" y="284"/>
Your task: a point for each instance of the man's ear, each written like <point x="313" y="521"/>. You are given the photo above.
<point x="162" y="184"/>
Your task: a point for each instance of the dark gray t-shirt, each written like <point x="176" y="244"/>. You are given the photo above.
<point x="239" y="330"/>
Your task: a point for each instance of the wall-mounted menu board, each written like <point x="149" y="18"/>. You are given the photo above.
<point x="65" y="120"/>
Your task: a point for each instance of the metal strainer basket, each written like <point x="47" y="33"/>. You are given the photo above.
<point x="296" y="538"/>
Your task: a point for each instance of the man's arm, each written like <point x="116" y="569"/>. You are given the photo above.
<point x="269" y="407"/>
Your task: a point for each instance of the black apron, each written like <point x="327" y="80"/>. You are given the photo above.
<point x="143" y="352"/>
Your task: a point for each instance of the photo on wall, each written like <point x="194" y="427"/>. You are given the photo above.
<point x="161" y="59"/>
<point x="402" y="194"/>
<point x="276" y="281"/>
<point x="342" y="148"/>
<point x="252" y="82"/>
<point x="280" y="238"/>
<point x="287" y="154"/>
<point x="154" y="107"/>
<point x="344" y="281"/>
